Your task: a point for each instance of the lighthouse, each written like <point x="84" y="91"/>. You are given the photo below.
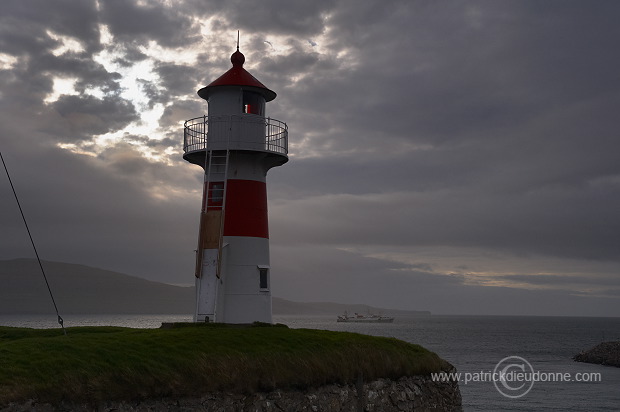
<point x="236" y="145"/>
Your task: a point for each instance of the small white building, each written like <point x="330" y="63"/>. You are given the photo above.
<point x="236" y="145"/>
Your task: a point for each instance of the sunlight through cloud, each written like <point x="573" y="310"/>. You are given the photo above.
<point x="62" y="86"/>
<point x="67" y="44"/>
<point x="7" y="61"/>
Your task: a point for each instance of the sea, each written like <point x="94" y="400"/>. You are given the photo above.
<point x="477" y="346"/>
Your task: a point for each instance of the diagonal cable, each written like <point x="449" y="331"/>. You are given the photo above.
<point x="60" y="321"/>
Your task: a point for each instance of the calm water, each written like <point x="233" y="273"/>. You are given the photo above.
<point x="471" y="343"/>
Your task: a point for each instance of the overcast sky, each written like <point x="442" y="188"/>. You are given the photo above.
<point x="461" y="157"/>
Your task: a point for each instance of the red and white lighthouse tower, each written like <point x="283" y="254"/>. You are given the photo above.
<point x="236" y="144"/>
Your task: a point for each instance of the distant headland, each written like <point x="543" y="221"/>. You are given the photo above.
<point x="606" y="353"/>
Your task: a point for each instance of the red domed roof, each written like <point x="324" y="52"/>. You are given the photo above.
<point x="238" y="76"/>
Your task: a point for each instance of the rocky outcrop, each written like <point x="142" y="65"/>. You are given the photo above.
<point x="417" y="393"/>
<point x="606" y="353"/>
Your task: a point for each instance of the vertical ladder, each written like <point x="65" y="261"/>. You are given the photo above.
<point x="216" y="168"/>
<point x="216" y="197"/>
<point x="210" y="242"/>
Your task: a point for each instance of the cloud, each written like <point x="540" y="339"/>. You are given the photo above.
<point x="274" y="16"/>
<point x="178" y="80"/>
<point x="569" y="220"/>
<point x="24" y="26"/>
<point x="87" y="116"/>
<point x="336" y="275"/>
<point x="556" y="280"/>
<point x="134" y="23"/>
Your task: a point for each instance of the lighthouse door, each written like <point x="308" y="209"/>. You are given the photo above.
<point x="207" y="286"/>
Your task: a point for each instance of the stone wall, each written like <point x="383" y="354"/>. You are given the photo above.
<point x="417" y="393"/>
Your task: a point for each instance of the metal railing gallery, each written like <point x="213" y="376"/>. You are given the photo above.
<point x="236" y="132"/>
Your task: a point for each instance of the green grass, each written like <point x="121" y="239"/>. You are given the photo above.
<point x="91" y="364"/>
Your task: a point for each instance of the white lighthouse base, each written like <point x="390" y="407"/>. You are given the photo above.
<point x="242" y="294"/>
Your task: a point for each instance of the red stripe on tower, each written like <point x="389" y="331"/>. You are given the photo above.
<point x="246" y="209"/>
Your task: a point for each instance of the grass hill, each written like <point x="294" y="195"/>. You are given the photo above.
<point x="94" y="364"/>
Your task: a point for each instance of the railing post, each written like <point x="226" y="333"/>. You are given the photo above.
<point x="204" y="132"/>
<point x="268" y="134"/>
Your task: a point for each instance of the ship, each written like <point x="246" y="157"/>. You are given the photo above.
<point x="370" y="318"/>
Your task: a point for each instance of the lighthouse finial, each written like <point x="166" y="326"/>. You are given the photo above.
<point x="237" y="59"/>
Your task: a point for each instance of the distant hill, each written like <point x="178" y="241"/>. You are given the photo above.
<point x="87" y="290"/>
<point x="80" y="289"/>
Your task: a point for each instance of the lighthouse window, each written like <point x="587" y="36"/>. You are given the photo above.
<point x="263" y="274"/>
<point x="253" y="103"/>
<point x="217" y="194"/>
